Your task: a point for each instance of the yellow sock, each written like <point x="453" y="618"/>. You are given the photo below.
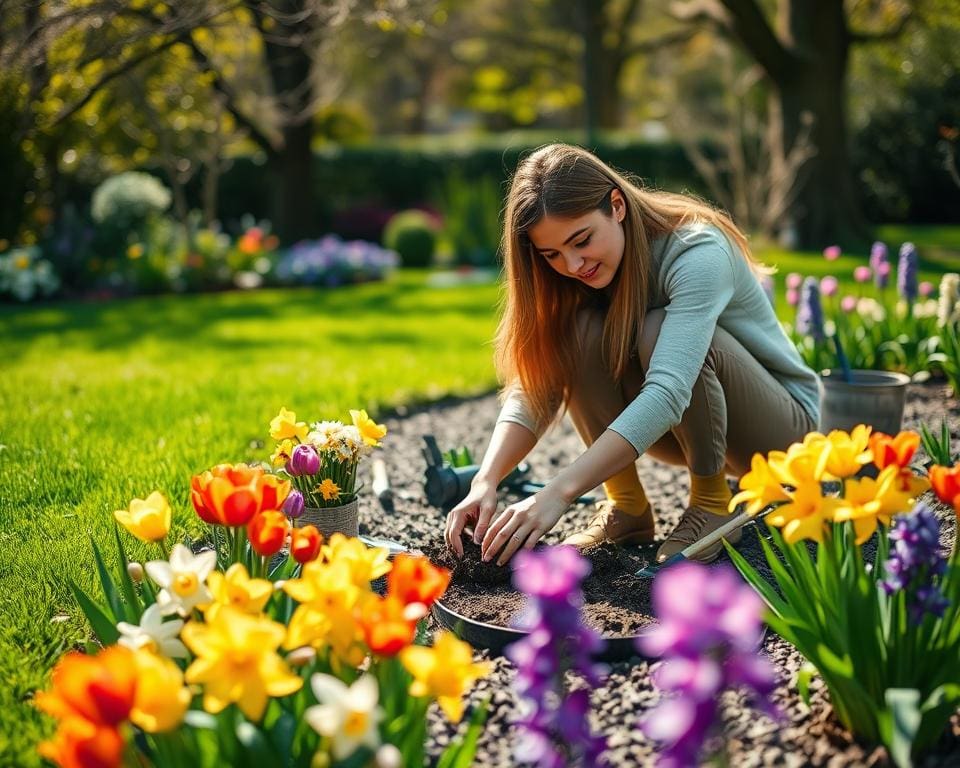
<point x="710" y="492"/>
<point x="626" y="492"/>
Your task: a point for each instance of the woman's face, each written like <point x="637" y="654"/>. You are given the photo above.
<point x="588" y="248"/>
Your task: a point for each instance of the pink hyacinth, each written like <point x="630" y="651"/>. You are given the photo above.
<point x="862" y="274"/>
<point x="794" y="280"/>
<point x="829" y="285"/>
<point x="848" y="304"/>
<point x="831" y="252"/>
<point x="926" y="288"/>
<point x="793" y="297"/>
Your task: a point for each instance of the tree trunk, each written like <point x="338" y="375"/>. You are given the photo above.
<point x="827" y="206"/>
<point x="291" y="165"/>
<point x="291" y="170"/>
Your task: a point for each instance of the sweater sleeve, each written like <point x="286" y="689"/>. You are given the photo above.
<point x="517" y="410"/>
<point x="698" y="279"/>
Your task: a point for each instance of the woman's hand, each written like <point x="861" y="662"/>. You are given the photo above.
<point x="478" y="508"/>
<point x="522" y="524"/>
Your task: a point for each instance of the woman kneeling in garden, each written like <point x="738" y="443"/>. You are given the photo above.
<point x="642" y="314"/>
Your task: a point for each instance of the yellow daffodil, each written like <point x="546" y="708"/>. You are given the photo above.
<point x="868" y="502"/>
<point x="801" y="463"/>
<point x="237" y="589"/>
<point x="328" y="598"/>
<point x="282" y="454"/>
<point x="365" y="563"/>
<point x="445" y="671"/>
<point x="806" y="514"/>
<point x="348" y="716"/>
<point x="284" y="426"/>
<point x="328" y="489"/>
<point x="148" y="519"/>
<point x="759" y="487"/>
<point x="370" y="431"/>
<point x="161" y="699"/>
<point x="848" y="452"/>
<point x="237" y="661"/>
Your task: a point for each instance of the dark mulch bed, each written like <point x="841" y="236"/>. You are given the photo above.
<point x="810" y="736"/>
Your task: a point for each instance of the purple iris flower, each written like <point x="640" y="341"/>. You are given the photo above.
<point x="554" y="731"/>
<point x="709" y="626"/>
<point x="907" y="283"/>
<point x="915" y="563"/>
<point x="810" y="311"/>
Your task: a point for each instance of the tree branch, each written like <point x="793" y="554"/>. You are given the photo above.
<point x="656" y="43"/>
<point x="751" y="27"/>
<point x="863" y="36"/>
<point x="230" y="101"/>
<point x="117" y="71"/>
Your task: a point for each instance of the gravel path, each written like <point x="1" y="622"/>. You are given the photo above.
<point x="810" y="736"/>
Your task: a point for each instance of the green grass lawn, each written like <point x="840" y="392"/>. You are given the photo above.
<point x="103" y="403"/>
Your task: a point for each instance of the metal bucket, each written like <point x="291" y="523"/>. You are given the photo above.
<point x="872" y="397"/>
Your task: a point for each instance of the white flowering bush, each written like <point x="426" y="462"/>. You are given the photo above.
<point x="128" y="199"/>
<point x="24" y="275"/>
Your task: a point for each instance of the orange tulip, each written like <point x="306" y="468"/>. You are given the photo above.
<point x="79" y="743"/>
<point x="267" y="532"/>
<point x="99" y="689"/>
<point x="893" y="450"/>
<point x="388" y="625"/>
<point x="305" y="543"/>
<point x="414" y="579"/>
<point x="946" y="484"/>
<point x="231" y="494"/>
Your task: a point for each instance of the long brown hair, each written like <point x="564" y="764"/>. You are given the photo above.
<point x="539" y="307"/>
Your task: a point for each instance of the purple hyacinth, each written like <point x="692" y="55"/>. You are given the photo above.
<point x="810" y="311"/>
<point x="878" y="258"/>
<point x="708" y="631"/>
<point x="554" y="730"/>
<point x="907" y="272"/>
<point x="915" y="563"/>
<point x="304" y="461"/>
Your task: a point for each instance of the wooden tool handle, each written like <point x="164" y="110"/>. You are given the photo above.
<point x="712" y="538"/>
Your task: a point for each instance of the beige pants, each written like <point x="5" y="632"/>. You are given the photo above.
<point x="737" y="408"/>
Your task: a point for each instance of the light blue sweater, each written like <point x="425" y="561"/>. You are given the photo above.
<point x="702" y="281"/>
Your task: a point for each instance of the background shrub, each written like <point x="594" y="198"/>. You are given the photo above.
<point x="413" y="236"/>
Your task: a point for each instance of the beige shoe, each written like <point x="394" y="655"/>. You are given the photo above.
<point x="610" y="524"/>
<point x="693" y="526"/>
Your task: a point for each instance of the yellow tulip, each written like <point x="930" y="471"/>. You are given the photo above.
<point x="236" y="588"/>
<point x="147" y="519"/>
<point x="868" y="502"/>
<point x="370" y="431"/>
<point x="445" y="671"/>
<point x="806" y="514"/>
<point x="161" y="699"/>
<point x="284" y="426"/>
<point x="365" y="563"/>
<point x="237" y="661"/>
<point x="759" y="487"/>
<point x="848" y="452"/>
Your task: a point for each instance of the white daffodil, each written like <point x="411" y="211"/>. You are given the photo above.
<point x="182" y="580"/>
<point x="153" y="634"/>
<point x="348" y="716"/>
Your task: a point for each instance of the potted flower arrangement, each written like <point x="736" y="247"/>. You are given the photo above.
<point x="884" y="635"/>
<point x="320" y="461"/>
<point x="267" y="661"/>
